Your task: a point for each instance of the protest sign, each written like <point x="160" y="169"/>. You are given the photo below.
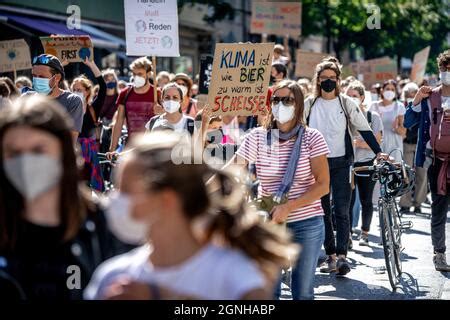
<point x="14" y="55"/>
<point x="240" y="78"/>
<point x="306" y="63"/>
<point x="374" y="70"/>
<point x="419" y="65"/>
<point x="70" y="48"/>
<point x="206" y="64"/>
<point x="278" y="18"/>
<point x="151" y="28"/>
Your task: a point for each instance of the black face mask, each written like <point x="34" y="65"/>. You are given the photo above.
<point x="272" y="79"/>
<point x="328" y="85"/>
<point x="214" y="136"/>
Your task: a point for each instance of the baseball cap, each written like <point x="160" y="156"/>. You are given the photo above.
<point x="50" y="61"/>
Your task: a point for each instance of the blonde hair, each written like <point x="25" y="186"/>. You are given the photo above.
<point x="87" y="85"/>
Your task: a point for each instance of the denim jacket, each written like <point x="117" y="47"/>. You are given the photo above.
<point x="422" y="118"/>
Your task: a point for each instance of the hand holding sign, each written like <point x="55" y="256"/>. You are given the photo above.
<point x="70" y="48"/>
<point x="240" y="77"/>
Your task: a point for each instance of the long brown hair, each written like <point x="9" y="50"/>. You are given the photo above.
<point x="224" y="214"/>
<point x="329" y="63"/>
<point x="40" y="113"/>
<point x="296" y="89"/>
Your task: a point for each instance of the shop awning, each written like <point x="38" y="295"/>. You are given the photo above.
<point x="100" y="39"/>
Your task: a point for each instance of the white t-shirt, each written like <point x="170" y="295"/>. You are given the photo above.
<point x="328" y="117"/>
<point x="213" y="273"/>
<point x="161" y="122"/>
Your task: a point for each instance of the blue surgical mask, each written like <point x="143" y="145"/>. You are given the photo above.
<point x="42" y="85"/>
<point x="111" y="85"/>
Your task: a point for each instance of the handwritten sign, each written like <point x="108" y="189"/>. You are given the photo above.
<point x="419" y="65"/>
<point x="151" y="28"/>
<point x="374" y="70"/>
<point x="241" y="74"/>
<point x="206" y="64"/>
<point x="14" y="55"/>
<point x="72" y="48"/>
<point x="307" y="62"/>
<point x="278" y="18"/>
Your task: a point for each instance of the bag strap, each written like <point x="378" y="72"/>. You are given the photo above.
<point x="369" y="118"/>
<point x="92" y="113"/>
<point x="190" y="126"/>
<point x="288" y="177"/>
<point x="152" y="122"/>
<point x="310" y="110"/>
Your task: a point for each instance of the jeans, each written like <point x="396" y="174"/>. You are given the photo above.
<point x="341" y="191"/>
<point x="416" y="198"/>
<point x="356" y="209"/>
<point x="309" y="234"/>
<point x="365" y="189"/>
<point x="439" y="208"/>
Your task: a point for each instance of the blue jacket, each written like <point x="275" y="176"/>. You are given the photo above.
<point x="423" y="119"/>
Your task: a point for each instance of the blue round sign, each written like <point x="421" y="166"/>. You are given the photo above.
<point x="84" y="52"/>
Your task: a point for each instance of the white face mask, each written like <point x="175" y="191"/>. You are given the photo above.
<point x="283" y="113"/>
<point x="171" y="106"/>
<point x="120" y="222"/>
<point x="80" y="94"/>
<point x="389" y="95"/>
<point x="32" y="174"/>
<point x="445" y="77"/>
<point x="139" y="82"/>
<point x="356" y="101"/>
<point x="408" y="100"/>
<point x="184" y="89"/>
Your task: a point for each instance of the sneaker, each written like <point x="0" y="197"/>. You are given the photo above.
<point x="330" y="266"/>
<point x="417" y="210"/>
<point x="343" y="267"/>
<point x="322" y="259"/>
<point x="364" y="240"/>
<point x="440" y="263"/>
<point x="404" y="210"/>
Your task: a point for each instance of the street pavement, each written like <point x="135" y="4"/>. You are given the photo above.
<point x="368" y="279"/>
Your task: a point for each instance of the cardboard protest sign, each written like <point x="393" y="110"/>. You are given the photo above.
<point x="72" y="48"/>
<point x="306" y="63"/>
<point x="206" y="64"/>
<point x="278" y="18"/>
<point x="151" y="28"/>
<point x="374" y="70"/>
<point x="419" y="65"/>
<point x="240" y="78"/>
<point x="14" y="55"/>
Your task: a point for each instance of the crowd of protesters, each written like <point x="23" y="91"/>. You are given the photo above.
<point x="88" y="178"/>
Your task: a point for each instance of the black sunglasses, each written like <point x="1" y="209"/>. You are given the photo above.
<point x="289" y="101"/>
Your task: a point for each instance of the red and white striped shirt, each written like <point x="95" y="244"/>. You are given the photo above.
<point x="271" y="164"/>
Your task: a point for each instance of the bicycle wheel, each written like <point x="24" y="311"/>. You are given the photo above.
<point x="388" y="247"/>
<point x="397" y="239"/>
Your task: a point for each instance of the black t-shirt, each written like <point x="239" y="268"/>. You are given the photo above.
<point x="40" y="262"/>
<point x="89" y="125"/>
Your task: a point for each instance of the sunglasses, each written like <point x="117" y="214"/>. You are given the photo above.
<point x="289" y="101"/>
<point x="41" y="59"/>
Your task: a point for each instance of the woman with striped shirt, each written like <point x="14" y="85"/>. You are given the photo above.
<point x="302" y="211"/>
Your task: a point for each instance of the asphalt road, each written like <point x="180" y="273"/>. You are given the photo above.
<point x="368" y="279"/>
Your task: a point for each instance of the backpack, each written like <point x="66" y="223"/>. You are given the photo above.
<point x="189" y="124"/>
<point x="439" y="129"/>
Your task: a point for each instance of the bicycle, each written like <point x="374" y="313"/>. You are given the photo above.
<point x="395" y="180"/>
